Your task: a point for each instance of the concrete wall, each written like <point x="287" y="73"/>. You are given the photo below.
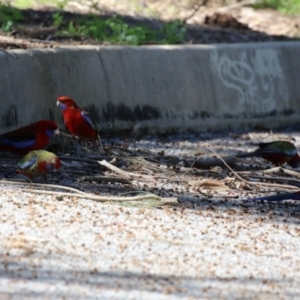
<point x="156" y="88"/>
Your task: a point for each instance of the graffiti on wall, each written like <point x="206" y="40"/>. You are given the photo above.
<point x="256" y="77"/>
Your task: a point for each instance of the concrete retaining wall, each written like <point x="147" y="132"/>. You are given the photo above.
<point x="156" y="88"/>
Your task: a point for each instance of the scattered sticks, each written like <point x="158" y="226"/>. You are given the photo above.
<point x="255" y="183"/>
<point x="96" y="198"/>
<point x="43" y="185"/>
<point x="105" y="178"/>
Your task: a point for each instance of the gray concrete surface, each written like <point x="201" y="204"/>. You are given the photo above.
<point x="156" y="88"/>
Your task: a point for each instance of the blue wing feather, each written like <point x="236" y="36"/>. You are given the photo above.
<point x="17" y="143"/>
<point x="87" y="118"/>
<point x="28" y="164"/>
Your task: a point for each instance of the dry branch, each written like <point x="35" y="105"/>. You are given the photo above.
<point x="8" y="53"/>
<point x="208" y="162"/>
<point x="289" y="181"/>
<point x="117" y="170"/>
<point x="105" y="178"/>
<point x="43" y="185"/>
<point x="195" y="10"/>
<point x="79" y="159"/>
<point x="103" y="198"/>
<point x="238" y="4"/>
<point x="255" y="183"/>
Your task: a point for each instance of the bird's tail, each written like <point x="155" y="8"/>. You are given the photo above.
<point x="294" y="161"/>
<point x="286" y="196"/>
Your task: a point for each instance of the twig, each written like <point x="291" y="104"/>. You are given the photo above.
<point x="77" y="172"/>
<point x="268" y="171"/>
<point x="100" y="198"/>
<point x="251" y="182"/>
<point x="99" y="139"/>
<point x="21" y="42"/>
<point x="207" y="162"/>
<point x="108" y="188"/>
<point x="224" y="162"/>
<point x="271" y="171"/>
<point x="196" y="9"/>
<point x="43" y="185"/>
<point x="290" y="181"/>
<point x="113" y="168"/>
<point x="10" y="54"/>
<point x="285" y="171"/>
<point x="105" y="178"/>
<point x="238" y="4"/>
<point x="36" y="61"/>
<point x="86" y="160"/>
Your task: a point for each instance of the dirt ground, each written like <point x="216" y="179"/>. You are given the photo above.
<point x="193" y="237"/>
<point x="191" y="162"/>
<point x="208" y="25"/>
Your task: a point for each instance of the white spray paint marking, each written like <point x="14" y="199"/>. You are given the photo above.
<point x="256" y="77"/>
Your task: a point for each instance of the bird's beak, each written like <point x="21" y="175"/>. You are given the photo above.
<point x="56" y="131"/>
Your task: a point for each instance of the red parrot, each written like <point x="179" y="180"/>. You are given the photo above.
<point x="286" y="196"/>
<point x="31" y="137"/>
<point x="77" y="121"/>
<point x="277" y="152"/>
<point x="38" y="163"/>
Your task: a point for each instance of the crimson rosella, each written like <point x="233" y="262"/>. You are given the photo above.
<point x="38" y="163"/>
<point x="285" y="196"/>
<point x="77" y="122"/>
<point x="277" y="152"/>
<point x="31" y="137"/>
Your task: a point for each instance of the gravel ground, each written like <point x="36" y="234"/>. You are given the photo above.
<point x="208" y="246"/>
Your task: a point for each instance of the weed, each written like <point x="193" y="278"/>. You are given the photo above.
<point x="285" y="6"/>
<point x="57" y="19"/>
<point x="174" y="32"/>
<point x="6" y="27"/>
<point x="116" y="31"/>
<point x="120" y="32"/>
<point x="8" y="17"/>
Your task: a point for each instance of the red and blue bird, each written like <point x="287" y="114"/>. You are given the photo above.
<point x="77" y="121"/>
<point x="277" y="152"/>
<point x="34" y="136"/>
<point x="38" y="163"/>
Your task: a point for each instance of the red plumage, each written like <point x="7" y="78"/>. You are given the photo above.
<point x="37" y="163"/>
<point x="77" y="122"/>
<point x="276" y="152"/>
<point x="34" y="136"/>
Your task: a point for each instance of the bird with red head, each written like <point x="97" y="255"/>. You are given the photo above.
<point x="77" y="121"/>
<point x="34" y="136"/>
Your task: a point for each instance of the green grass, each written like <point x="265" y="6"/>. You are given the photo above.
<point x="8" y="17"/>
<point x="285" y="6"/>
<point x="34" y="3"/>
<point x="114" y="30"/>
